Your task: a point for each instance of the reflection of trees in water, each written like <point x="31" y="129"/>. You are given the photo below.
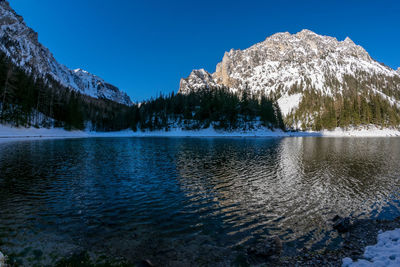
<point x="289" y="187"/>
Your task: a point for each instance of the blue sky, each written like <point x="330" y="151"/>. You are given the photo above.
<point x="145" y="47"/>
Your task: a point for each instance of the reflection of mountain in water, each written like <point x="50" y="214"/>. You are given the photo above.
<point x="289" y="187"/>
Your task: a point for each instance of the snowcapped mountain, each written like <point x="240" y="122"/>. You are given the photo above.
<point x="20" y="43"/>
<point x="286" y="65"/>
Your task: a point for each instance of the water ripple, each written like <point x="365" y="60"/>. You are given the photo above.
<point x="132" y="197"/>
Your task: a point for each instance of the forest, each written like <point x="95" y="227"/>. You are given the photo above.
<point x="358" y="105"/>
<point x="219" y="107"/>
<point x="42" y="102"/>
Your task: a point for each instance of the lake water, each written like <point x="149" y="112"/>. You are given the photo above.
<point x="188" y="200"/>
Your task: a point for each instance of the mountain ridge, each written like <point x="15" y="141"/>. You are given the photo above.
<point x="286" y="65"/>
<point x="20" y="43"/>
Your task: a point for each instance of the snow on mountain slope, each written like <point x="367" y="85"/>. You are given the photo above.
<point x="20" y="43"/>
<point x="289" y="102"/>
<point x="286" y="64"/>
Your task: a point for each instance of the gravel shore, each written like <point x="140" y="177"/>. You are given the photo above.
<point x="360" y="234"/>
<point x="356" y="236"/>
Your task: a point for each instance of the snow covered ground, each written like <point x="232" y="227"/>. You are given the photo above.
<point x="369" y="131"/>
<point x="2" y="259"/>
<point x="8" y="132"/>
<point x="13" y="132"/>
<point x="385" y="253"/>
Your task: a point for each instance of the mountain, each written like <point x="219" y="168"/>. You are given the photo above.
<point x="197" y="80"/>
<point x="20" y="43"/>
<point x="298" y="69"/>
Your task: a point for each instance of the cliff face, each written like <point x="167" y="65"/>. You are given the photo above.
<point x="20" y="43"/>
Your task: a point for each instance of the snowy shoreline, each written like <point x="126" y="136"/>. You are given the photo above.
<point x="386" y="252"/>
<point x="8" y="132"/>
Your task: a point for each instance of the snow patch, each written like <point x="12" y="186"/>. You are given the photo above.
<point x="366" y="131"/>
<point x="288" y="103"/>
<point x="385" y="253"/>
<point x="2" y="260"/>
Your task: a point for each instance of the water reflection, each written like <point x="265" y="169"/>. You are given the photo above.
<point x="193" y="199"/>
<point x="290" y="187"/>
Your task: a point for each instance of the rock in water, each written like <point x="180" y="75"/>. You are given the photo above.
<point x="266" y="249"/>
<point x="342" y="225"/>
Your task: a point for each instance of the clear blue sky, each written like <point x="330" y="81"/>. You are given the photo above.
<point x="145" y="47"/>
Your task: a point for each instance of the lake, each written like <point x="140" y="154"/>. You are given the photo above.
<point x="188" y="200"/>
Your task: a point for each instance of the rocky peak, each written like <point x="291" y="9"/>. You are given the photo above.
<point x="306" y="34"/>
<point x="198" y="79"/>
<point x="80" y="71"/>
<point x="349" y="41"/>
<point x="299" y="50"/>
<point x="20" y="43"/>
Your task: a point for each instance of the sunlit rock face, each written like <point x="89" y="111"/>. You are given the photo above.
<point x="287" y="64"/>
<point x="197" y="80"/>
<point x="20" y="43"/>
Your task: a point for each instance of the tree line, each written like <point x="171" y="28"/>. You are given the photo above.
<point x="26" y="100"/>
<point x="219" y="107"/>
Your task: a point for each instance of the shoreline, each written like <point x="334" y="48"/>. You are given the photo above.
<point x="14" y="133"/>
<point x="361" y="236"/>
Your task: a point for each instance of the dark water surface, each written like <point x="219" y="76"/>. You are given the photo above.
<point x="188" y="200"/>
